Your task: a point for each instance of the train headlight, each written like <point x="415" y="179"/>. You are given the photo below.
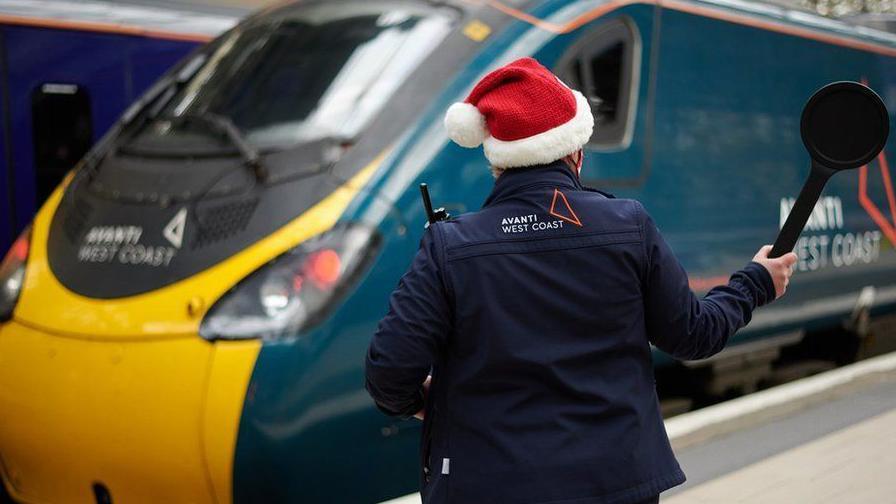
<point x="295" y="290"/>
<point x="12" y="274"/>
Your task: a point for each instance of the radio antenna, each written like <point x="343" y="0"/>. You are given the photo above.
<point x="427" y="203"/>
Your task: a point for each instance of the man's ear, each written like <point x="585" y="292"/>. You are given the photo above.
<point x="576" y="161"/>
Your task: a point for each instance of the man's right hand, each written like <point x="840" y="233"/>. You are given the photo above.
<point x="780" y="268"/>
<point x="420" y="414"/>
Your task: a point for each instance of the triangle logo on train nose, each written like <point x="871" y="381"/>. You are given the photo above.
<point x="562" y="210"/>
<point x="174" y="230"/>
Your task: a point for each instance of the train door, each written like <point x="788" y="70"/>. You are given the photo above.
<point x="62" y="132"/>
<point x="609" y="62"/>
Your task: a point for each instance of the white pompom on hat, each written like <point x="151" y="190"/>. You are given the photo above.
<point x="465" y="125"/>
<point x="523" y="114"/>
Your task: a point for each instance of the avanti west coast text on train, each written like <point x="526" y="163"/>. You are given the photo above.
<point x="201" y="292"/>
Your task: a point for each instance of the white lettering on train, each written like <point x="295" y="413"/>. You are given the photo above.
<point x="113" y="235"/>
<point x="121" y="244"/>
<point x="815" y="251"/>
<point x="827" y="214"/>
<point x="842" y="249"/>
<point x="146" y="255"/>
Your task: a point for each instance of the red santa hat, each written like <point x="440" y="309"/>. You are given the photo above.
<point x="523" y="115"/>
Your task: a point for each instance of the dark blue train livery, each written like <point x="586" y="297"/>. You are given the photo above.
<point x="69" y="69"/>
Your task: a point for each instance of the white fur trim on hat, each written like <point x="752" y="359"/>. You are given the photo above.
<point x="547" y="146"/>
<point x="465" y="125"/>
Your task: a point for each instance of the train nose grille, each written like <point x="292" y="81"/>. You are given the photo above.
<point x="219" y="222"/>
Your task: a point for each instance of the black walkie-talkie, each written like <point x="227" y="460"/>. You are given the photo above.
<point x="432" y="216"/>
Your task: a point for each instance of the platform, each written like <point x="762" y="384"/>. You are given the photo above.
<point x="851" y="465"/>
<point x="829" y="438"/>
<point x="838" y="446"/>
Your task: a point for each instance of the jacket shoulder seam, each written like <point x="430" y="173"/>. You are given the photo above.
<point x="547" y="244"/>
<point x="442" y="244"/>
<point x="532" y="239"/>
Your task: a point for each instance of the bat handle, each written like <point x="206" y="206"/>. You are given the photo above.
<point x="802" y="209"/>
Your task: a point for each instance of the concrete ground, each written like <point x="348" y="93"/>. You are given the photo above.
<point x="842" y="451"/>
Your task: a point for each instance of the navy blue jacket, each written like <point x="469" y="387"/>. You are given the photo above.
<point x="535" y="317"/>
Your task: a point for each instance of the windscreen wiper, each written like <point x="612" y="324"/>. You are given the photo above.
<point x="145" y="108"/>
<point x="224" y="125"/>
<point x="149" y="105"/>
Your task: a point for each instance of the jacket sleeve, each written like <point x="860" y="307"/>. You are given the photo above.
<point x="680" y="323"/>
<point x="410" y="337"/>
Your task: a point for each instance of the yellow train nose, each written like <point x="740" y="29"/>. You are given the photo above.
<point x="146" y="420"/>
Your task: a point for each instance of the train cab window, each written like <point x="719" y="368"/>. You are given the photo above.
<point x="603" y="65"/>
<point x="62" y="131"/>
<point x="310" y="72"/>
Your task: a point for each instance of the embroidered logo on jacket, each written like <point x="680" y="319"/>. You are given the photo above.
<point x="563" y="211"/>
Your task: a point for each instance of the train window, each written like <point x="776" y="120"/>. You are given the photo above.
<point x="316" y="71"/>
<point x="603" y="65"/>
<point x="62" y="130"/>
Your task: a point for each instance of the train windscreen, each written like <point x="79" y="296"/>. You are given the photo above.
<point x="308" y="72"/>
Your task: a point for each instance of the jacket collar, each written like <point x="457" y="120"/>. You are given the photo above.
<point x="556" y="174"/>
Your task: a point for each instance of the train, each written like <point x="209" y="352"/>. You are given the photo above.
<point x="69" y="70"/>
<point x="186" y="318"/>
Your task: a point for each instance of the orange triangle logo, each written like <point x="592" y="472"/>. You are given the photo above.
<point x="570" y="216"/>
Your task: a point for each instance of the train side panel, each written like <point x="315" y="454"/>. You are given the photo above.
<point x="728" y="160"/>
